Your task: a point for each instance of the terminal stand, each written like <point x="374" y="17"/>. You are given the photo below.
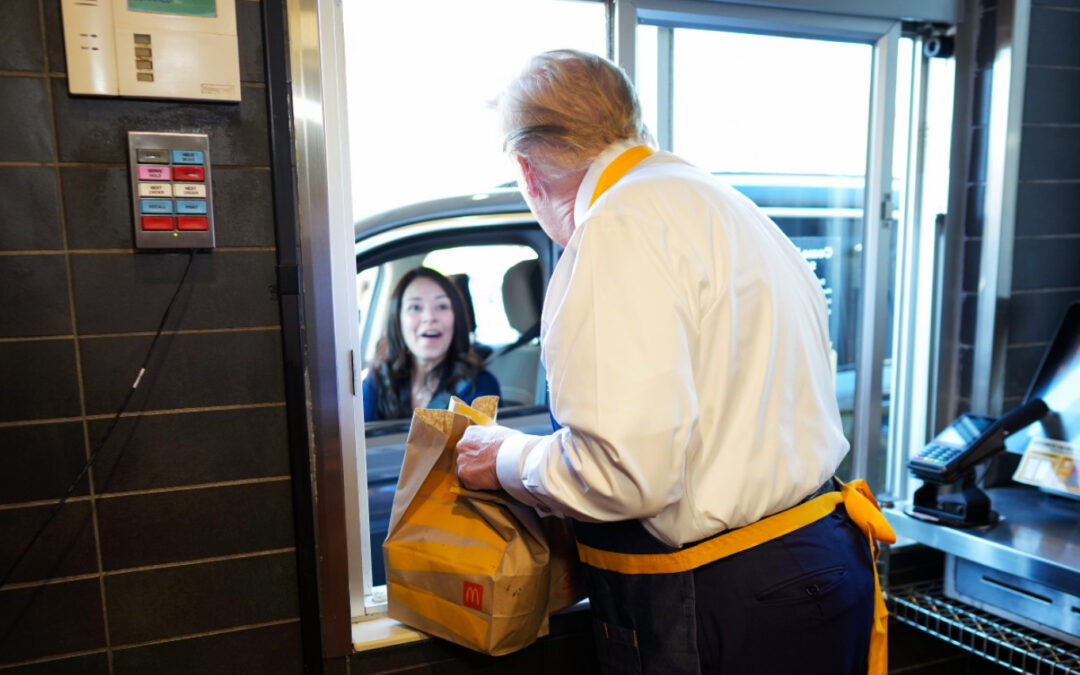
<point x="960" y="504"/>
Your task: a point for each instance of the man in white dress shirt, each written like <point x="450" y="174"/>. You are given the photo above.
<point x="687" y="354"/>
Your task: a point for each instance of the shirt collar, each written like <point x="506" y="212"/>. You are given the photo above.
<point x="592" y="176"/>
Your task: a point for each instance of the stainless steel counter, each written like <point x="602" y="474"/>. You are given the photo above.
<point x="1038" y="537"/>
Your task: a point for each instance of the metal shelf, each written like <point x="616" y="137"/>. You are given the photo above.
<point x="925" y="607"/>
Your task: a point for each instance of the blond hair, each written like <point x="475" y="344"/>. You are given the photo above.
<point x="567" y="106"/>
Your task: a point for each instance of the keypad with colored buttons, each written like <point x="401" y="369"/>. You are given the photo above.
<point x="171" y="195"/>
<point x="936" y="457"/>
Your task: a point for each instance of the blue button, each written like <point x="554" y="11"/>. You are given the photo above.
<point x="190" y="206"/>
<point x="187" y="157"/>
<point x="155" y="205"/>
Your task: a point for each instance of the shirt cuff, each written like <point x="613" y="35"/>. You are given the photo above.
<point x="508" y="464"/>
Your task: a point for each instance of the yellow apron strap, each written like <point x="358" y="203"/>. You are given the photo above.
<point x="618" y="169"/>
<point x="865" y="512"/>
<point x="716" y="548"/>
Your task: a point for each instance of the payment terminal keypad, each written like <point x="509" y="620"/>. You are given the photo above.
<point x="170" y="190"/>
<point x="936" y="457"/>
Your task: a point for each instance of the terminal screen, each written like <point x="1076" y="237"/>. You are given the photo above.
<point x="963" y="431"/>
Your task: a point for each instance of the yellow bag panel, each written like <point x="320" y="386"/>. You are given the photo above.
<point x="429" y="556"/>
<point x="440" y="516"/>
<point x="469" y="625"/>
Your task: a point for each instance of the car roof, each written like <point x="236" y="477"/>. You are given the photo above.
<point x="492" y="202"/>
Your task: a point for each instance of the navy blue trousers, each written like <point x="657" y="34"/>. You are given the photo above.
<point x="799" y="604"/>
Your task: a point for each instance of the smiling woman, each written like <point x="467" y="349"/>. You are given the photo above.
<point x="425" y="355"/>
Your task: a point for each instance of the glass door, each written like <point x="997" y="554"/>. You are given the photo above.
<point x="797" y="114"/>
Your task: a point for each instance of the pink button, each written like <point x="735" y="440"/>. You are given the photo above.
<point x="153" y="172"/>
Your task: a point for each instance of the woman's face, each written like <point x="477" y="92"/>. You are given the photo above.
<point x="427" y="321"/>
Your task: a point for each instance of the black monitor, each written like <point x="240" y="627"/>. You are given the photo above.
<point x="1057" y="382"/>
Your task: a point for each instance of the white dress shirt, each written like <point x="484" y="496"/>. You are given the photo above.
<point x="687" y="354"/>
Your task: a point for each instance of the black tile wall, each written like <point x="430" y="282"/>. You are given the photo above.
<point x="64" y="549"/>
<point x="271" y="650"/>
<point x="1046" y="262"/>
<point x="190" y="599"/>
<point x="242" y="199"/>
<point x="29" y="204"/>
<point x="231" y="291"/>
<point x="95" y="129"/>
<point x="1047" y="209"/>
<point x="40" y="380"/>
<point x="248" y="28"/>
<point x="21" y="35"/>
<point x="1060" y="4"/>
<point x="160" y="451"/>
<point x="97" y="207"/>
<point x="1052" y="40"/>
<point x="1020" y="366"/>
<point x="183" y="527"/>
<point x="89" y="664"/>
<point x="41" y="621"/>
<point x="1052" y="95"/>
<point x="39" y="461"/>
<point x="191" y="370"/>
<point x="54" y="37"/>
<point x="33" y="296"/>
<point x="1050" y="153"/>
<point x="151" y="529"/>
<point x="1034" y="317"/>
<point x="23" y="137"/>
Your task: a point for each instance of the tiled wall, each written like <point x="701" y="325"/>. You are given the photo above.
<point x="1045" y="273"/>
<point x="176" y="554"/>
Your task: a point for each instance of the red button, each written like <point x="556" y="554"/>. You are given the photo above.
<point x="188" y="173"/>
<point x="157" y="222"/>
<point x="191" y="223"/>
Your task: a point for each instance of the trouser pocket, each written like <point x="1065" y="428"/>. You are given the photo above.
<point x="616" y="649"/>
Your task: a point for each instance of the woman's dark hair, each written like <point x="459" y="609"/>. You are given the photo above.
<point x="393" y="364"/>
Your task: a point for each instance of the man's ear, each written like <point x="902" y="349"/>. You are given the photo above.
<point x="528" y="172"/>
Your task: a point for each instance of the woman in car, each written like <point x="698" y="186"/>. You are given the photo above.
<point x="425" y="355"/>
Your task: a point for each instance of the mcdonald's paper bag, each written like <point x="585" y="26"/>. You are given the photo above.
<point x="473" y="567"/>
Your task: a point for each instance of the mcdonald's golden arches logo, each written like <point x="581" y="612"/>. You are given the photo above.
<point x="473" y="595"/>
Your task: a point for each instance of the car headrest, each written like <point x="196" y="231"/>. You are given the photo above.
<point x="461" y="281"/>
<point x="523" y="294"/>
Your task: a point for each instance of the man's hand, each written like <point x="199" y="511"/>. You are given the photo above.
<point x="476" y="456"/>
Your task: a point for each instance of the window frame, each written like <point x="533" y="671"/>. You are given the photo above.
<point x="328" y="261"/>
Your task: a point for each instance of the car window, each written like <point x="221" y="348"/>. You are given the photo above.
<point x="502" y="287"/>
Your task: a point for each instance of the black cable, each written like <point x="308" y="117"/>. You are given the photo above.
<point x="108" y="432"/>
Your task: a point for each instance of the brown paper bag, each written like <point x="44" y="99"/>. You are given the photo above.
<point x="475" y="568"/>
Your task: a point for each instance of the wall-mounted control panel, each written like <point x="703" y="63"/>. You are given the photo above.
<point x="170" y="190"/>
<point x="152" y="48"/>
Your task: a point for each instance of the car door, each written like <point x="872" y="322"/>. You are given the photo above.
<point x="485" y="248"/>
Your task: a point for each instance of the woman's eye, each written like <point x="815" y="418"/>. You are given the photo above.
<point x="412" y="308"/>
